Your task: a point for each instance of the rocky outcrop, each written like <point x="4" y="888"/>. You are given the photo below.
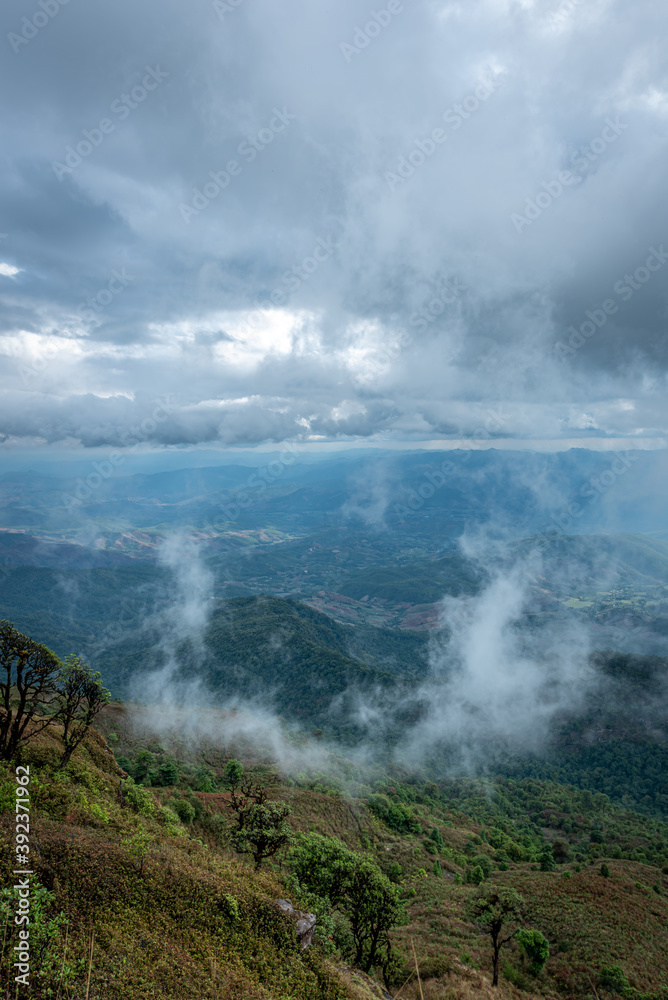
<point x="305" y="922"/>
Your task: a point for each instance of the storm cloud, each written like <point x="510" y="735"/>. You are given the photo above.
<point x="323" y="221"/>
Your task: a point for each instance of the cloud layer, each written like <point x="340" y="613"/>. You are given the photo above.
<point x="320" y="221"/>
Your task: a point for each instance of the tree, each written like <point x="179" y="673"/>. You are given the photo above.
<point x="168" y="772"/>
<point x="547" y="863"/>
<point x="561" y="852"/>
<point x="28" y="684"/>
<point x="536" y="947"/>
<point x="81" y="697"/>
<point x="234" y="772"/>
<point x="261" y="826"/>
<point x="204" y="780"/>
<point x="356" y="887"/>
<point x="495" y="910"/>
<point x="143" y="769"/>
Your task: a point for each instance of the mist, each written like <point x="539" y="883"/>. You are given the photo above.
<point x="493" y="684"/>
<point x="182" y="625"/>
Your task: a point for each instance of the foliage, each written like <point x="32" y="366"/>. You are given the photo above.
<point x="535" y="946"/>
<point x="28" y="685"/>
<point x="613" y="980"/>
<point x="138" y="798"/>
<point x="81" y="697"/>
<point x="168" y="772"/>
<point x="183" y="809"/>
<point x="261" y="827"/>
<point x="547" y="862"/>
<point x="204" y="780"/>
<point x="234" y="772"/>
<point x="138" y="846"/>
<point x="357" y="888"/>
<point x="394" y="814"/>
<point x="47" y="964"/>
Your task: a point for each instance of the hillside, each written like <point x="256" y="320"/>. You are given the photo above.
<point x="177" y="913"/>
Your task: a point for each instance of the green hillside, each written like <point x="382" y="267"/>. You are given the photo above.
<point x="145" y="894"/>
<point x="290" y="657"/>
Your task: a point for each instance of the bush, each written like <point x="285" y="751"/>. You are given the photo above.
<point x="138" y="798"/>
<point x="561" y="852"/>
<point x="483" y="862"/>
<point x="435" y="968"/>
<point x="535" y="946"/>
<point x="169" y="773"/>
<point x="475" y="875"/>
<point x="230" y="907"/>
<point x="357" y="888"/>
<point x="613" y="980"/>
<point x="183" y="809"/>
<point x="48" y="966"/>
<point x="394" y="814"/>
<point x="547" y="863"/>
<point x="436" y="836"/>
<point x="204" y="780"/>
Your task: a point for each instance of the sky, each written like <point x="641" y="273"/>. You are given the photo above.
<point x="230" y="224"/>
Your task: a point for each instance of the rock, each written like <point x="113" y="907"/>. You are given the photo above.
<point x="305" y="922"/>
<point x="306" y="928"/>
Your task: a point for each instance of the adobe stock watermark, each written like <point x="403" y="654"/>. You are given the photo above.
<point x="89" y="311"/>
<point x="256" y="484"/>
<point x="31" y="26"/>
<point x="22" y="918"/>
<point x="423" y="149"/>
<point x="138" y="434"/>
<point x="378" y="21"/>
<point x="557" y="18"/>
<point x="223" y="7"/>
<point x="625" y="288"/>
<point x="249" y="149"/>
<point x="592" y="489"/>
<point x="122" y="107"/>
<point x="446" y="293"/>
<point x="292" y="279"/>
<point x="555" y="188"/>
<point x="435" y="479"/>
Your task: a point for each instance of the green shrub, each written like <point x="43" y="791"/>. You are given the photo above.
<point x="535" y="946"/>
<point x="394" y="814"/>
<point x="138" y="798"/>
<point x="475" y="875"/>
<point x="230" y="907"/>
<point x="436" y="836"/>
<point x="46" y="952"/>
<point x="613" y="980"/>
<point x="169" y="773"/>
<point x="183" y="809"/>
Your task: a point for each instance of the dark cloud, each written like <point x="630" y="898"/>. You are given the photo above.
<point x="360" y="167"/>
